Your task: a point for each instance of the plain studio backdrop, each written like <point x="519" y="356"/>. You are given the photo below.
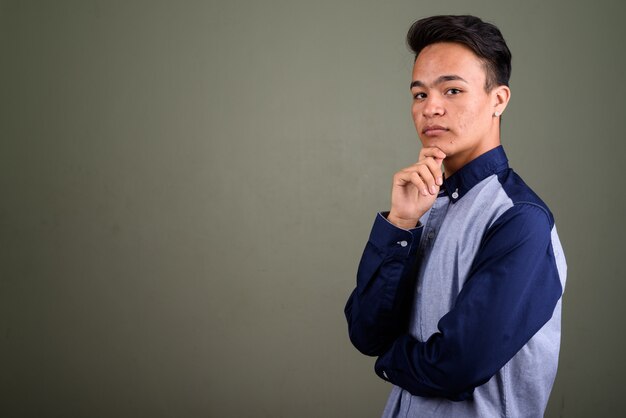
<point x="187" y="186"/>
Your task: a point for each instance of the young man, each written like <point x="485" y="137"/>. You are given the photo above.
<point x="459" y="288"/>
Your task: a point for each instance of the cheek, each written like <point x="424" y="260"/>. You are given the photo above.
<point x="415" y="112"/>
<point x="416" y="116"/>
<point x="464" y="120"/>
<point x="468" y="118"/>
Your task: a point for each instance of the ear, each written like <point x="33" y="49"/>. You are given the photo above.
<point x="500" y="98"/>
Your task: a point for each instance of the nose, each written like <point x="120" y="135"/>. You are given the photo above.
<point x="433" y="106"/>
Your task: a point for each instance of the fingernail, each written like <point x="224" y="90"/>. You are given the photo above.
<point x="439" y="181"/>
<point x="425" y="192"/>
<point x="433" y="189"/>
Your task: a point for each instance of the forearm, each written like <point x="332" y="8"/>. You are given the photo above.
<point x="379" y="307"/>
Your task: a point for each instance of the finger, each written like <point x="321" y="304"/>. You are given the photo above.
<point x="432" y="152"/>
<point x="402" y="178"/>
<point x="429" y="177"/>
<point x="418" y="182"/>
<point x="434" y="166"/>
<point x="410" y="176"/>
<point x="421" y="177"/>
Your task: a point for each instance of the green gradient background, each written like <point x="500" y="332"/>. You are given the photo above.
<point x="186" y="188"/>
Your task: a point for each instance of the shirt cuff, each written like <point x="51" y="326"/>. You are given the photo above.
<point x="391" y="239"/>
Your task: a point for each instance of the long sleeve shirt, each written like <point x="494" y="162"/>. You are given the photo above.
<point x="463" y="311"/>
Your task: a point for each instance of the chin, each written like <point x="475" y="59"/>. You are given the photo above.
<point x="444" y="143"/>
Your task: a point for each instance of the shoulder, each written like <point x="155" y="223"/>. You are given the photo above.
<point x="525" y="202"/>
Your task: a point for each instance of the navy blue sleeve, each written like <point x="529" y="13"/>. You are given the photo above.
<point x="510" y="293"/>
<point x="378" y="309"/>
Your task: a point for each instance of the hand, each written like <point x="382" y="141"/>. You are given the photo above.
<point x="415" y="188"/>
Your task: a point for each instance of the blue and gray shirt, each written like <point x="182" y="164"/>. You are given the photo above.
<point x="464" y="311"/>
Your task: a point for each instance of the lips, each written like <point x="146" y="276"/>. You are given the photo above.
<point x="433" y="130"/>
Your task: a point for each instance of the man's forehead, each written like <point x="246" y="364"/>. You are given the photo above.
<point x="439" y="80"/>
<point x="446" y="61"/>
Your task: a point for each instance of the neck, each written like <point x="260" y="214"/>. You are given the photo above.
<point x="455" y="162"/>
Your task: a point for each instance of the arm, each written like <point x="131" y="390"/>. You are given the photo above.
<point x="510" y="293"/>
<point x="378" y="309"/>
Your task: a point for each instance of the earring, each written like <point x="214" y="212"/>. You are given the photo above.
<point x="496" y="114"/>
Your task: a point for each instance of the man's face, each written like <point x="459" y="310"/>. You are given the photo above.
<point x="451" y="108"/>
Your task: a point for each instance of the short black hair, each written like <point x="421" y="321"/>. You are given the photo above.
<point x="483" y="38"/>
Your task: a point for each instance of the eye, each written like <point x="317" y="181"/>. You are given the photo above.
<point x="453" y="92"/>
<point x="419" y="96"/>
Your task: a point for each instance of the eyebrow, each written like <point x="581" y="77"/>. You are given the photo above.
<point x="439" y="80"/>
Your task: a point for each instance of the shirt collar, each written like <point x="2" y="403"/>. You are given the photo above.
<point x="492" y="162"/>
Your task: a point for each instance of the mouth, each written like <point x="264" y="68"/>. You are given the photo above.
<point x="434" y="130"/>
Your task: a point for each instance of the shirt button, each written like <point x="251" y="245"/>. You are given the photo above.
<point x="403" y="243"/>
<point x="455" y="195"/>
<point x="431" y="235"/>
